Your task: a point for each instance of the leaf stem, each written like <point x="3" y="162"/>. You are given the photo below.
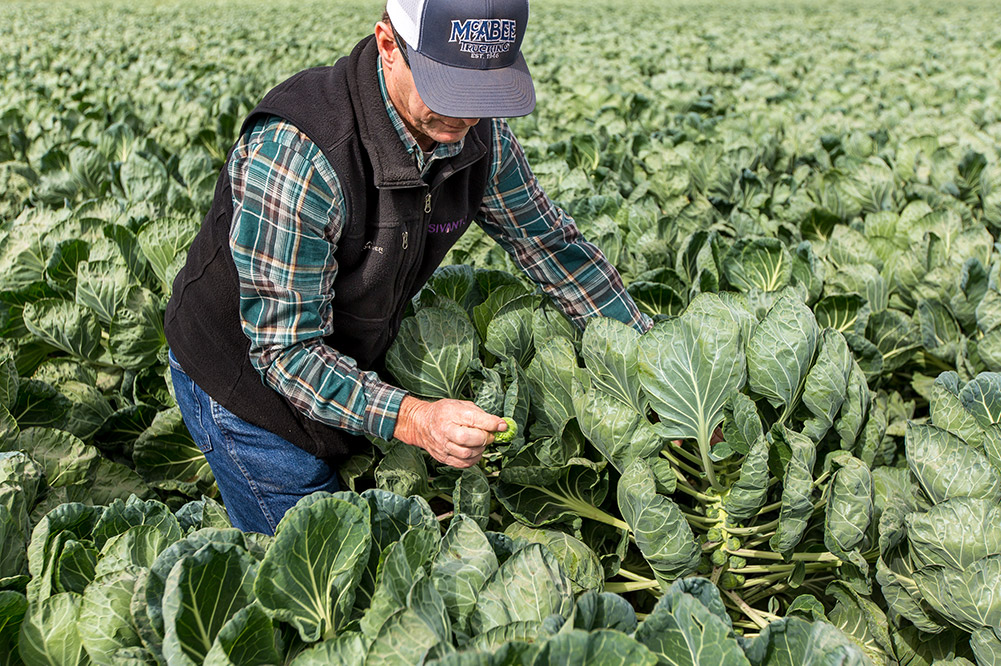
<point x="691" y="492"/>
<point x="626" y="573"/>
<point x="631" y="586"/>
<point x="757" y="617"/>
<point x="680" y="465"/>
<point x="795" y="557"/>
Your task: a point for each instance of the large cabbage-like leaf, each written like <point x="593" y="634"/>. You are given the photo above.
<point x="49" y="632"/>
<point x="968" y="598"/>
<point x="610" y="350"/>
<point x="528" y="587"/>
<point x="826" y="384"/>
<point x="464" y="563"/>
<point x="781" y="349"/>
<point x="689" y="371"/>
<point x="597" y="647"/>
<point x="797" y="493"/>
<point x="578" y="562"/>
<point x="202" y="592"/>
<point x="308" y="576"/>
<point x="947" y="467"/>
<point x="433" y="353"/>
<point x="661" y="531"/>
<point x="955" y="533"/>
<point x="682" y="630"/>
<point x="105" y="617"/>
<point x="247" y="639"/>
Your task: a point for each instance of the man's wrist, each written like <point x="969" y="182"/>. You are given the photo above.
<point x="407" y="420"/>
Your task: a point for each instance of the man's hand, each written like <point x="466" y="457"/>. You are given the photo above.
<point x="454" y="432"/>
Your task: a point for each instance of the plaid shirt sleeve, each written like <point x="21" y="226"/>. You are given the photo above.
<point x="288" y="211"/>
<point x="544" y="241"/>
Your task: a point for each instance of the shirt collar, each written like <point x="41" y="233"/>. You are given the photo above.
<point x="441" y="150"/>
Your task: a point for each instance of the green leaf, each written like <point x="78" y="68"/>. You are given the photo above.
<point x="610" y="350"/>
<point x="13" y="606"/>
<point x="433" y="353"/>
<point x="202" y="592"/>
<point x="105" y="616"/>
<point x="66" y="326"/>
<point x="986" y="645"/>
<point x="967" y="598"/>
<point x="896" y="337"/>
<point x="347" y="649"/>
<point x="982" y="397"/>
<point x="862" y="620"/>
<point x="826" y="384"/>
<point x="528" y="587"/>
<point x="948" y="412"/>
<point x="842" y="312"/>
<point x="849" y="510"/>
<point x="102" y="285"/>
<point x="167" y="458"/>
<point x="136" y="335"/>
<point x="464" y="563"/>
<point x="400" y="566"/>
<point x="247" y="639"/>
<point x="66" y="460"/>
<point x="49" y="633"/>
<point x="661" y="531"/>
<point x="309" y="573"/>
<point x="762" y="263"/>
<point x="604" y="610"/>
<point x="509" y="333"/>
<point x="403" y="471"/>
<point x="597" y="647"/>
<point x="541" y="496"/>
<point x="681" y="630"/>
<point x="577" y="561"/>
<point x="689" y="371"/>
<point x="792" y="641"/>
<point x="551" y="377"/>
<point x="741" y="423"/>
<point x="472" y="496"/>
<point x="164" y="242"/>
<point x="946" y="467"/>
<point x="748" y="494"/>
<point x="854" y="409"/>
<point x="780" y="351"/>
<point x="797" y="494"/>
<point x="616" y="429"/>
<point x="955" y="533"/>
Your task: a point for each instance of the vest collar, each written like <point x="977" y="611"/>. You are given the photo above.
<point x="392" y="166"/>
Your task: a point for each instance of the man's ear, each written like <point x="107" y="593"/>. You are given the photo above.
<point x="386" y="44"/>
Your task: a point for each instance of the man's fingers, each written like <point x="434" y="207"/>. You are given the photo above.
<point x="471" y="416"/>
<point x="471" y="438"/>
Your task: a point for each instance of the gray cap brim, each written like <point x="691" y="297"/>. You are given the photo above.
<point x="473" y="93"/>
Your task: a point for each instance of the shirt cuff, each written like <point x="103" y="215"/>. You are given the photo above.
<point x="383" y="409"/>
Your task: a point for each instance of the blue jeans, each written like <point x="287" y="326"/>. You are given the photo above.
<point x="259" y="474"/>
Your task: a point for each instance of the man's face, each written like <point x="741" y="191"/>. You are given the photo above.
<point x="427" y="126"/>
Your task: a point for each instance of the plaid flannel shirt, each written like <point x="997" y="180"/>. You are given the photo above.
<point x="287" y="218"/>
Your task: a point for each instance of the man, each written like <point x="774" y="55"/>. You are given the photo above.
<point x="347" y="187"/>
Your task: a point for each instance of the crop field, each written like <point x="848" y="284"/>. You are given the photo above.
<point x="799" y="464"/>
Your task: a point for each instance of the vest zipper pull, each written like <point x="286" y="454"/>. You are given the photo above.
<point x="427" y="203"/>
<point x="406" y="239"/>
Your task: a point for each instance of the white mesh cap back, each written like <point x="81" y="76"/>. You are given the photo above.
<point x="406" y="18"/>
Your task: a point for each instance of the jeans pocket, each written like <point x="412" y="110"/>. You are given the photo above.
<point x="193" y="403"/>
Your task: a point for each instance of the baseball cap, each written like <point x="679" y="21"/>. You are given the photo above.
<point x="465" y="55"/>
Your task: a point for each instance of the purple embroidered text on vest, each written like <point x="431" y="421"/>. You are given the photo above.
<point x="446" y="227"/>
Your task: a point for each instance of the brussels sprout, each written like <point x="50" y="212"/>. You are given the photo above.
<point x="507" y="435"/>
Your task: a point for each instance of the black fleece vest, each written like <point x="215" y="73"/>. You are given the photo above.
<point x="398" y="229"/>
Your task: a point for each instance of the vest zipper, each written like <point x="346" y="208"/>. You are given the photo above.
<point x="406" y="239"/>
<point x="427" y="203"/>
